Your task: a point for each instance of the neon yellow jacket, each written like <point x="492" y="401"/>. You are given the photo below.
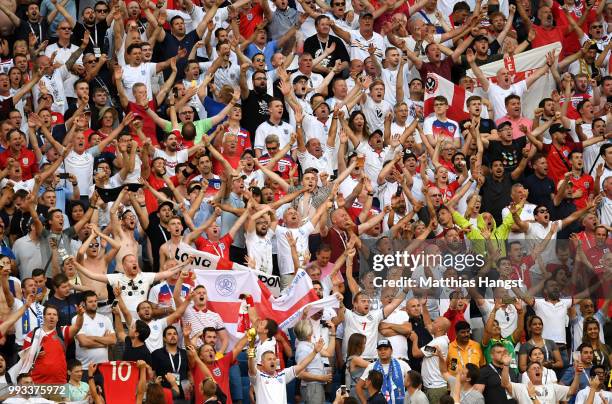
<point x="499" y="235"/>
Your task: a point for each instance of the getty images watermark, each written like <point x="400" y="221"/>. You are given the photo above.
<point x="415" y="263"/>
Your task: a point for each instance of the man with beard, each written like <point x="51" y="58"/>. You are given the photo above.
<point x="497" y="187"/>
<point x="316" y="45"/>
<point x="259" y="232"/>
<point x="603" y="245"/>
<point x="33" y="24"/>
<point x="93" y="255"/>
<point x="153" y="174"/>
<point x="170" y="362"/>
<point x="541" y="189"/>
<point x="123" y="228"/>
<point x="254" y="102"/>
<point x="171" y="155"/>
<point x="578" y="91"/>
<point x="503" y="86"/>
<point x="96" y="27"/>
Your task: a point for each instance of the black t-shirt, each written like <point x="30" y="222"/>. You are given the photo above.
<point x="315" y="47"/>
<point x="486" y="125"/>
<point x="161" y="364"/>
<point x="418" y="326"/>
<point x="67" y="307"/>
<point x="254" y="111"/>
<point x="158" y="235"/>
<point x="510" y="155"/>
<point x="96" y="38"/>
<point x="539" y="190"/>
<point x="490" y="376"/>
<point x="26" y="28"/>
<point x="496" y="196"/>
<point x="377" y="398"/>
<point x="134" y="354"/>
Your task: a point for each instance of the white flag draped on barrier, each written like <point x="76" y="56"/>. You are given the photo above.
<point x="522" y="66"/>
<point x="206" y="261"/>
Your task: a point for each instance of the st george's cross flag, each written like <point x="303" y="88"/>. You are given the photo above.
<point x="437" y="85"/>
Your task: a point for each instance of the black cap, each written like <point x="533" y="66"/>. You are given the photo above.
<point x="165" y="203"/>
<point x="480" y="38"/>
<point x="300" y="77"/>
<point x="504" y="124"/>
<point x="366" y="15"/>
<point x="554" y="128"/>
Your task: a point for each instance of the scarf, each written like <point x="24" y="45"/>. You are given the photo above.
<point x="393" y="382"/>
<point x="27" y="357"/>
<point x="26" y="324"/>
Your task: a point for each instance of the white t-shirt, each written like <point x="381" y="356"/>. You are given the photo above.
<point x="584" y="393"/>
<point x="389" y="77"/>
<point x="285" y="262"/>
<point x="430" y="368"/>
<point x="398" y="342"/>
<point x="139" y="74"/>
<point x="283" y="131"/>
<point x="81" y="165"/>
<point x="375" y="113"/>
<point x="554" y="317"/>
<point x="547" y="394"/>
<point x="180" y="156"/>
<point x="497" y="95"/>
<point x="537" y="232"/>
<point x="272" y="389"/>
<point x="548" y="377"/>
<point x="260" y="249"/>
<point x="363" y="324"/>
<point x="35" y="311"/>
<point x="133" y="291"/>
<point x="323" y="163"/>
<point x="156" y="338"/>
<point x="93" y="327"/>
<point x="526" y="214"/>
<point x="359" y="45"/>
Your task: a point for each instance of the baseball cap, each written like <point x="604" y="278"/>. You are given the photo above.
<point x="554" y="128"/>
<point x="504" y="124"/>
<point x="383" y="343"/>
<point x="481" y="38"/>
<point x="300" y="77"/>
<point x="367" y="15"/>
<point x="165" y="203"/>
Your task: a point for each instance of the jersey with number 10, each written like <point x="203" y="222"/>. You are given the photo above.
<point x="366" y="325"/>
<point x="120" y="380"/>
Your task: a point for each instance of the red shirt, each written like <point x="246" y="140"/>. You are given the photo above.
<point x="572" y="113"/>
<point x="120" y="380"/>
<point x="219" y="248"/>
<point x="547" y="36"/>
<point x="595" y="255"/>
<point x="337" y="240"/>
<point x="234" y="160"/>
<point x="283" y="166"/>
<point x="355" y="210"/>
<point x="454" y="317"/>
<point x="558" y="159"/>
<point x="586" y="184"/>
<point x="521" y="270"/>
<point x="250" y="20"/>
<point x="220" y="371"/>
<point x="148" y="125"/>
<point x="27" y="160"/>
<point x="150" y="200"/>
<point x="50" y="367"/>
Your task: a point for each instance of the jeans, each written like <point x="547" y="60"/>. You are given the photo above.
<point x="235" y="383"/>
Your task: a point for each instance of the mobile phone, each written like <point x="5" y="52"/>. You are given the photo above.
<point x="453" y="364"/>
<point x="399" y="190"/>
<point x="324" y="324"/>
<point x="115" y="304"/>
<point x="343" y="389"/>
<point x="360" y="161"/>
<point x="508" y="300"/>
<point x="430" y="349"/>
<point x="64" y="176"/>
<point x="38" y="291"/>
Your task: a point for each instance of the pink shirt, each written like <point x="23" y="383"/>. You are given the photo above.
<point x="516" y="124"/>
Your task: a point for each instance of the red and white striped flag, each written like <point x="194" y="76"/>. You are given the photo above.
<point x="224" y="289"/>
<point x="455" y="95"/>
<point x="522" y="66"/>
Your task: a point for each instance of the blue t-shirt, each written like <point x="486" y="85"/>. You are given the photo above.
<point x="268" y="51"/>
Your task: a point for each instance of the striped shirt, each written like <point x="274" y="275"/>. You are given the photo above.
<point x="200" y="319"/>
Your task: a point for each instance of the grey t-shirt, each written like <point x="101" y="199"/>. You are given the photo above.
<point x="469" y="396"/>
